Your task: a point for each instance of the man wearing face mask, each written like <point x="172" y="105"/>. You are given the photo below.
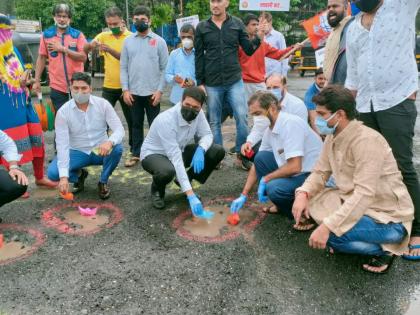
<point x="110" y="44"/>
<point x="277" y="85"/>
<point x="335" y="62"/>
<point x="143" y="62"/>
<point x="62" y="46"/>
<point x="82" y="139"/>
<point x="180" y="71"/>
<point x="169" y="149"/>
<point x="369" y="211"/>
<point x="313" y="90"/>
<point x="288" y="152"/>
<point x="382" y="74"/>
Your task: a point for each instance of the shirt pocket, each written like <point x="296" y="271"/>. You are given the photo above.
<point x="72" y="45"/>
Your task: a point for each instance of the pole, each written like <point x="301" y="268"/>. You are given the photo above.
<point x="181" y="4"/>
<point x="126" y="9"/>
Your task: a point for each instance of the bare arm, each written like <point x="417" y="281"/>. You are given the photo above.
<point x="291" y="168"/>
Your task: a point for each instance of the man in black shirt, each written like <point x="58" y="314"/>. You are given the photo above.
<point x="218" y="70"/>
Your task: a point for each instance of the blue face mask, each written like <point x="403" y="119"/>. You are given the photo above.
<point x="277" y="93"/>
<point x="322" y="125"/>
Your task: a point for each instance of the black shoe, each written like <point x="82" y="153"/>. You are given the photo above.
<point x="245" y="164"/>
<point x="157" y="201"/>
<point x="232" y="150"/>
<point x="104" y="191"/>
<point x="80" y="185"/>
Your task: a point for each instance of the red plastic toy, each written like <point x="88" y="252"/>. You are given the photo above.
<point x="249" y="154"/>
<point x="68" y="196"/>
<point x="233" y="219"/>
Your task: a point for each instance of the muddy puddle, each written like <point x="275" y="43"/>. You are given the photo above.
<point x="14" y="249"/>
<point x="218" y="225"/>
<point x="85" y="223"/>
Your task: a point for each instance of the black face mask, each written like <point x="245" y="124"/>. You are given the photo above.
<point x="188" y="113"/>
<point x="366" y="5"/>
<point x="141" y="26"/>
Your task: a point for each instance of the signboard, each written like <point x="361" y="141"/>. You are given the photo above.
<point x="264" y="5"/>
<point x="193" y="20"/>
<point x="320" y="56"/>
<point x="26" y="26"/>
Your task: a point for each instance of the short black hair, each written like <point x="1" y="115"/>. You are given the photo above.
<point x="112" y="12"/>
<point x="81" y="76"/>
<point x="62" y="8"/>
<point x="250" y="17"/>
<point x="266" y="99"/>
<point x="141" y="10"/>
<point x="319" y="71"/>
<point x="186" y="28"/>
<point x="195" y="93"/>
<point x="336" y="97"/>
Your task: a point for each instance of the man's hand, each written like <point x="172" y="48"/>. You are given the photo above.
<point x="104" y="48"/>
<point x="156" y="98"/>
<point x="18" y="176"/>
<point x="37" y="87"/>
<point x="128" y="98"/>
<point x="262" y="194"/>
<point x="178" y="79"/>
<point x="203" y="88"/>
<point x="105" y="148"/>
<point x="55" y="46"/>
<point x="319" y="237"/>
<point x="63" y="185"/>
<point x="246" y="147"/>
<point x="300" y="206"/>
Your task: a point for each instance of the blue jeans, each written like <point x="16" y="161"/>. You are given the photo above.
<point x="281" y="191"/>
<point x="366" y="237"/>
<point x="79" y="160"/>
<point x="234" y="95"/>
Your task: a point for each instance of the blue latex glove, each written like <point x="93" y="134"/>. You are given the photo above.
<point x="197" y="208"/>
<point x="262" y="195"/>
<point x="238" y="204"/>
<point x="198" y="160"/>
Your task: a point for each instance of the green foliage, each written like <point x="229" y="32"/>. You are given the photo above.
<point x="162" y="14"/>
<point x="88" y="16"/>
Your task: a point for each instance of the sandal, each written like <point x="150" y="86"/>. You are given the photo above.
<point x="271" y="210"/>
<point x="379" y="261"/>
<point x="410" y="257"/>
<point x="305" y="225"/>
<point x="132" y="161"/>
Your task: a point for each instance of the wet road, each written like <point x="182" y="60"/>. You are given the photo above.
<point x="147" y="264"/>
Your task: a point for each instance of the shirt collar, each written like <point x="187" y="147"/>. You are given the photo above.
<point x="188" y="54"/>
<point x="150" y="34"/>
<point x="345" y="135"/>
<point x="73" y="104"/>
<point x="277" y="127"/>
<point x="181" y="120"/>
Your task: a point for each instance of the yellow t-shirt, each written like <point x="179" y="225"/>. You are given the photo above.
<point x="112" y="65"/>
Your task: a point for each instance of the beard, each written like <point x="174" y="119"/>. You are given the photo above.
<point x="334" y="22"/>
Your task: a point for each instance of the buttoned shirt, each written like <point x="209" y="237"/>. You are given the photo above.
<point x="368" y="183"/>
<point x="182" y="64"/>
<point x="8" y="149"/>
<point x="143" y="61"/>
<point x="276" y="40"/>
<point x="381" y="64"/>
<point x="84" y="131"/>
<point x="170" y="134"/>
<point x="292" y="137"/>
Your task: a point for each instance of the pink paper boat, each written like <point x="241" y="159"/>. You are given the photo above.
<point x="88" y="212"/>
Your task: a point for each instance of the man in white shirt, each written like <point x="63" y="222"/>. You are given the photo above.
<point x="82" y="139"/>
<point x="277" y="85"/>
<point x="382" y="74"/>
<point x="169" y="149"/>
<point x="276" y="40"/>
<point x="13" y="183"/>
<point x="288" y="151"/>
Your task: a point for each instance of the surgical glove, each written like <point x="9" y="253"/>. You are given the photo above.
<point x="198" y="160"/>
<point x="262" y="195"/>
<point x="238" y="204"/>
<point x="197" y="208"/>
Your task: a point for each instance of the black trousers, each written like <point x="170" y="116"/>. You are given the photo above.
<point x="397" y="126"/>
<point x="114" y="95"/>
<point x="142" y="105"/>
<point x="9" y="189"/>
<point x="163" y="171"/>
<point x="58" y="98"/>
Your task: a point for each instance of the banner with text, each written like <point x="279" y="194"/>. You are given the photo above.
<point x="264" y="5"/>
<point x="193" y="20"/>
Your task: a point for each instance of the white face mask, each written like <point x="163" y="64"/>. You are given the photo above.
<point x="62" y="26"/>
<point x="81" y="98"/>
<point x="187" y="43"/>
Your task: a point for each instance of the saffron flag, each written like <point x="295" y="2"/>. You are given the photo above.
<point x="318" y="29"/>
